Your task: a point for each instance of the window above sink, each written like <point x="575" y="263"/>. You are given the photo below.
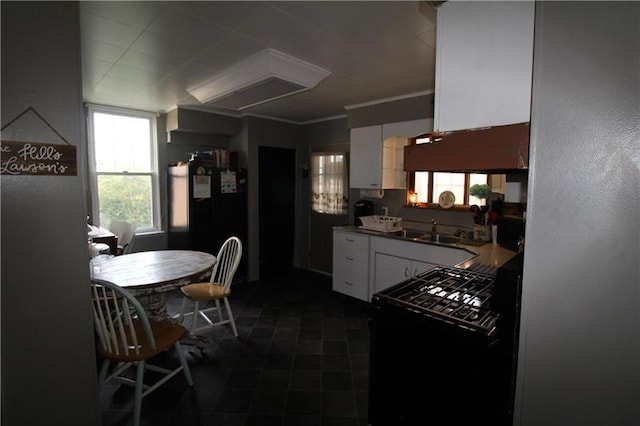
<point x="429" y="185"/>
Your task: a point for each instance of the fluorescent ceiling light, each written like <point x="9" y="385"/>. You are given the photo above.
<point x="263" y="77"/>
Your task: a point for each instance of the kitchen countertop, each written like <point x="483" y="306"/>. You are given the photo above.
<point x="488" y="254"/>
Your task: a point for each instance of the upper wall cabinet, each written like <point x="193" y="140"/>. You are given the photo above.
<point x="376" y="157"/>
<point x="484" y="60"/>
<point x="365" y="157"/>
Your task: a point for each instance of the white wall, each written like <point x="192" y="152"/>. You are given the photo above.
<point x="48" y="357"/>
<point x="580" y="350"/>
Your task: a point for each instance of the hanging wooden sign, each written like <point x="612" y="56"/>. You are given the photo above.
<point x="37" y="158"/>
<point x="33" y="158"/>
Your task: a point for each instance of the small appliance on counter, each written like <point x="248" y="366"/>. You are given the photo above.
<point x="360" y="209"/>
<point x="510" y="232"/>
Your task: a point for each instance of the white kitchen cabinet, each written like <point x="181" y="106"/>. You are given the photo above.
<point x="377" y="153"/>
<point x="393" y="174"/>
<point x="390" y="270"/>
<point x="351" y="264"/>
<point x="484" y="63"/>
<point x="365" y="157"/>
<point x="393" y="261"/>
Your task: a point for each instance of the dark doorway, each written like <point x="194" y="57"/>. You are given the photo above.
<point x="276" y="189"/>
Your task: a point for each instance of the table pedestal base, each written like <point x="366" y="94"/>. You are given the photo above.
<point x="156" y="308"/>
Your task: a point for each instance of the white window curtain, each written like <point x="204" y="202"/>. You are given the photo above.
<point x="329" y="183"/>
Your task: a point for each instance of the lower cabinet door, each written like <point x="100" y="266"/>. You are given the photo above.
<point x="418" y="267"/>
<point x="390" y="270"/>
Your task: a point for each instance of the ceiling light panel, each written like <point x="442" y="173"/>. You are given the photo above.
<point x="265" y="76"/>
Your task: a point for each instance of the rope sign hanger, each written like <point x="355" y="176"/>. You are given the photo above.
<point x="37" y="158"/>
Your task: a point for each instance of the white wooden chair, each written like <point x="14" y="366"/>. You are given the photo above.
<point x="126" y="233"/>
<point x="127" y="338"/>
<point x="218" y="288"/>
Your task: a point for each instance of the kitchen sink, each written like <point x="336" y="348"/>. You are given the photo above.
<point x="426" y="236"/>
<point x="446" y="239"/>
<point x="410" y="233"/>
<point x="415" y="234"/>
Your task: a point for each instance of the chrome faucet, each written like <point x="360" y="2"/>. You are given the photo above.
<point x="434" y="228"/>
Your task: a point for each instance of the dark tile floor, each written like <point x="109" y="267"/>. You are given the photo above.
<point x="301" y="359"/>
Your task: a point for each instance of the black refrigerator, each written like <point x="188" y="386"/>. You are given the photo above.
<point x="207" y="205"/>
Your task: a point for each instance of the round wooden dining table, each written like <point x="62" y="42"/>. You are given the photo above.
<point x="148" y="275"/>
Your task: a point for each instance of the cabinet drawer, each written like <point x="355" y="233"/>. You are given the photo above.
<point x="349" y="261"/>
<point x="351" y="282"/>
<point x="351" y="255"/>
<point x="350" y="241"/>
<point x="351" y="264"/>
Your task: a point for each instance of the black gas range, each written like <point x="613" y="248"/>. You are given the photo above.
<point x="457" y="297"/>
<point x="443" y="349"/>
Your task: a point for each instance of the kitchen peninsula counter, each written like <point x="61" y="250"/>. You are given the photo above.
<point x="488" y="254"/>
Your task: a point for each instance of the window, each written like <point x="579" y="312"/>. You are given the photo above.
<point x="329" y="183"/>
<point x="453" y="182"/>
<point x="476" y="179"/>
<point x="429" y="185"/>
<point x="123" y="167"/>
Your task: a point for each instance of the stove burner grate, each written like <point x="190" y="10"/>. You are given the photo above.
<point x="454" y="295"/>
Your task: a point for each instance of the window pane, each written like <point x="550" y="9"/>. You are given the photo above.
<point x="329" y="184"/>
<point x="122" y="143"/>
<point x="479" y="179"/>
<point x="453" y="182"/>
<point x="421" y="186"/>
<point x="126" y="198"/>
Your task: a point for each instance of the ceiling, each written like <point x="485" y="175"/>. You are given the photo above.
<point x="144" y="55"/>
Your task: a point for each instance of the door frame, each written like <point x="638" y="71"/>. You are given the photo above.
<point x="337" y="148"/>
